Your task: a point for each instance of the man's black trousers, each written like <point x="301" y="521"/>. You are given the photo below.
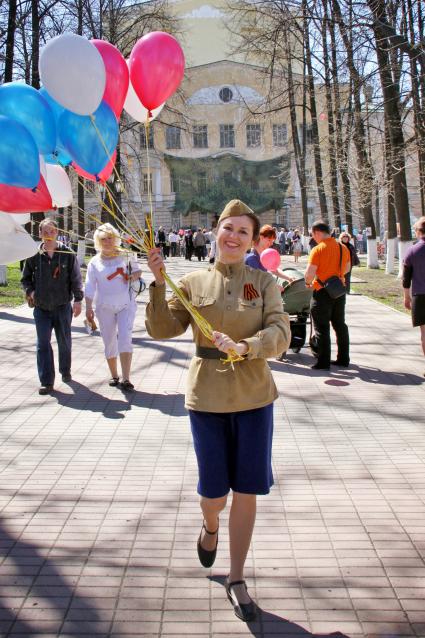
<point x="325" y="312"/>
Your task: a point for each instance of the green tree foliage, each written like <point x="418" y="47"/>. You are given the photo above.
<point x="207" y="184"/>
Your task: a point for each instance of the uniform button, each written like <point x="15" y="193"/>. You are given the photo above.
<point x="228" y="307"/>
<point x="229" y="292"/>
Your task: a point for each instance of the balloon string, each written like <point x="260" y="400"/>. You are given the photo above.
<point x="203" y="325"/>
<point x="114" y="168"/>
<point x="148" y="242"/>
<point x="151" y="224"/>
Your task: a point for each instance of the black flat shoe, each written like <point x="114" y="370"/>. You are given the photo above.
<point x="340" y="364"/>
<point x="318" y="366"/>
<point x="206" y="556"/>
<point x="114" y="382"/>
<point x="127" y="386"/>
<point x="246" y="612"/>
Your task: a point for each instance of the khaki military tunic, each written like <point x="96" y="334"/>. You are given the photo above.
<point x="245" y="304"/>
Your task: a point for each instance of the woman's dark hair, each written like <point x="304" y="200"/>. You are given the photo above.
<point x="321" y="226"/>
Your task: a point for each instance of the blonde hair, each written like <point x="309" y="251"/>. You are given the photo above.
<point x="419" y="225"/>
<point x="104" y="231"/>
<point x="344" y="234"/>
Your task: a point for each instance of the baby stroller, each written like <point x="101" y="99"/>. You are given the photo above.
<point x="296" y="302"/>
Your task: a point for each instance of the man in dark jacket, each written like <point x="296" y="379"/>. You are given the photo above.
<point x="51" y="279"/>
<point x="414" y="279"/>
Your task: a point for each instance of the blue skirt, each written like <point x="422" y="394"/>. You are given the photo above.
<point x="233" y="451"/>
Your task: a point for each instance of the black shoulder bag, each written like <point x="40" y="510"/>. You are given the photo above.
<point x="333" y="285"/>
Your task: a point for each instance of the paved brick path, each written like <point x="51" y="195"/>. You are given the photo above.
<point x="99" y="516"/>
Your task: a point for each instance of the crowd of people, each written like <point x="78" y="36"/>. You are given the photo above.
<point x="232" y="427"/>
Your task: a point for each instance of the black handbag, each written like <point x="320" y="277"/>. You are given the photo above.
<point x="333" y="285"/>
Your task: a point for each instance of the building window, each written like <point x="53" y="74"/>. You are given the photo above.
<point x="253" y="135"/>
<point x="172" y="137"/>
<point x="202" y="183"/>
<point x="227" y="136"/>
<point x="228" y="178"/>
<point x="309" y="134"/>
<point x="143" y="137"/>
<point x="200" y="136"/>
<point x="225" y="94"/>
<point x="147" y="182"/>
<point x="174" y="184"/>
<point x="280" y="134"/>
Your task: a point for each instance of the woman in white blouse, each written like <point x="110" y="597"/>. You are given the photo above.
<point x="108" y="285"/>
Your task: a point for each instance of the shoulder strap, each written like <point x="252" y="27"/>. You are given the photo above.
<point x="340" y="263"/>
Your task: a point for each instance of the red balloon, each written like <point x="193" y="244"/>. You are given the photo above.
<point x="23" y="200"/>
<point x="156" y="68"/>
<point x="103" y="175"/>
<point x="117" y="76"/>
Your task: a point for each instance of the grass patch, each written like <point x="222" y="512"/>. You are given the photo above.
<point x="378" y="285"/>
<point x="12" y="294"/>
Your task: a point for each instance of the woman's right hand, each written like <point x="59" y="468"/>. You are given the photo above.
<point x="90" y="314"/>
<point x="156" y="265"/>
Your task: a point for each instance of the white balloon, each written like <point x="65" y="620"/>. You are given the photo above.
<point x="15" y="242"/>
<point x="59" y="186"/>
<point x="73" y="72"/>
<point x="135" y="108"/>
<point x="42" y="166"/>
<point x="20" y="218"/>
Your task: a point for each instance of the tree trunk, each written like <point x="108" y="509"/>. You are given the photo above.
<point x="333" y="169"/>
<point x="418" y="108"/>
<point x="10" y="42"/>
<point x="365" y="187"/>
<point x="396" y="136"/>
<point x="390" y="258"/>
<point x="298" y="154"/>
<point x="341" y="148"/>
<point x="313" y="114"/>
<point x="391" y="216"/>
<point x="3" y="275"/>
<point x="35" y="44"/>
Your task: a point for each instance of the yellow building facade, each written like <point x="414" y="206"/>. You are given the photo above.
<point x="210" y="146"/>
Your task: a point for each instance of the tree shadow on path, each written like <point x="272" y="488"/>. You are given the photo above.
<point x="38" y="577"/>
<point x="367" y="374"/>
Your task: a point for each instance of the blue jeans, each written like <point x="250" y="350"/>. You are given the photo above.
<point x="58" y="320"/>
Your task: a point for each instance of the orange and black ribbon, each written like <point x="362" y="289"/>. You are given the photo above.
<point x="249" y="292"/>
<point x="119" y="271"/>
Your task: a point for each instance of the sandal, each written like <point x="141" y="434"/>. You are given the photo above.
<point x="207" y="556"/>
<point x="114" y="382"/>
<point x="245" y="611"/>
<point x="127" y="386"/>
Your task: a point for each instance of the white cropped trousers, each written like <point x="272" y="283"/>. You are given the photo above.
<point x="116" y="326"/>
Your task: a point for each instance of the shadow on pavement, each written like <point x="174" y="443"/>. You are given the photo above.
<point x="39" y="577"/>
<point x="296" y="364"/>
<point x="269" y="625"/>
<point x="85" y="398"/>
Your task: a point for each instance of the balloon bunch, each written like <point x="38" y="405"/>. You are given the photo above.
<point x="73" y="119"/>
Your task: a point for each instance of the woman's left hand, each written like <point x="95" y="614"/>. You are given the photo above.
<point x="224" y="343"/>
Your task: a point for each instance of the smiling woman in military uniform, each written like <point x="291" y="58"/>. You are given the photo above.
<point x="231" y="411"/>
